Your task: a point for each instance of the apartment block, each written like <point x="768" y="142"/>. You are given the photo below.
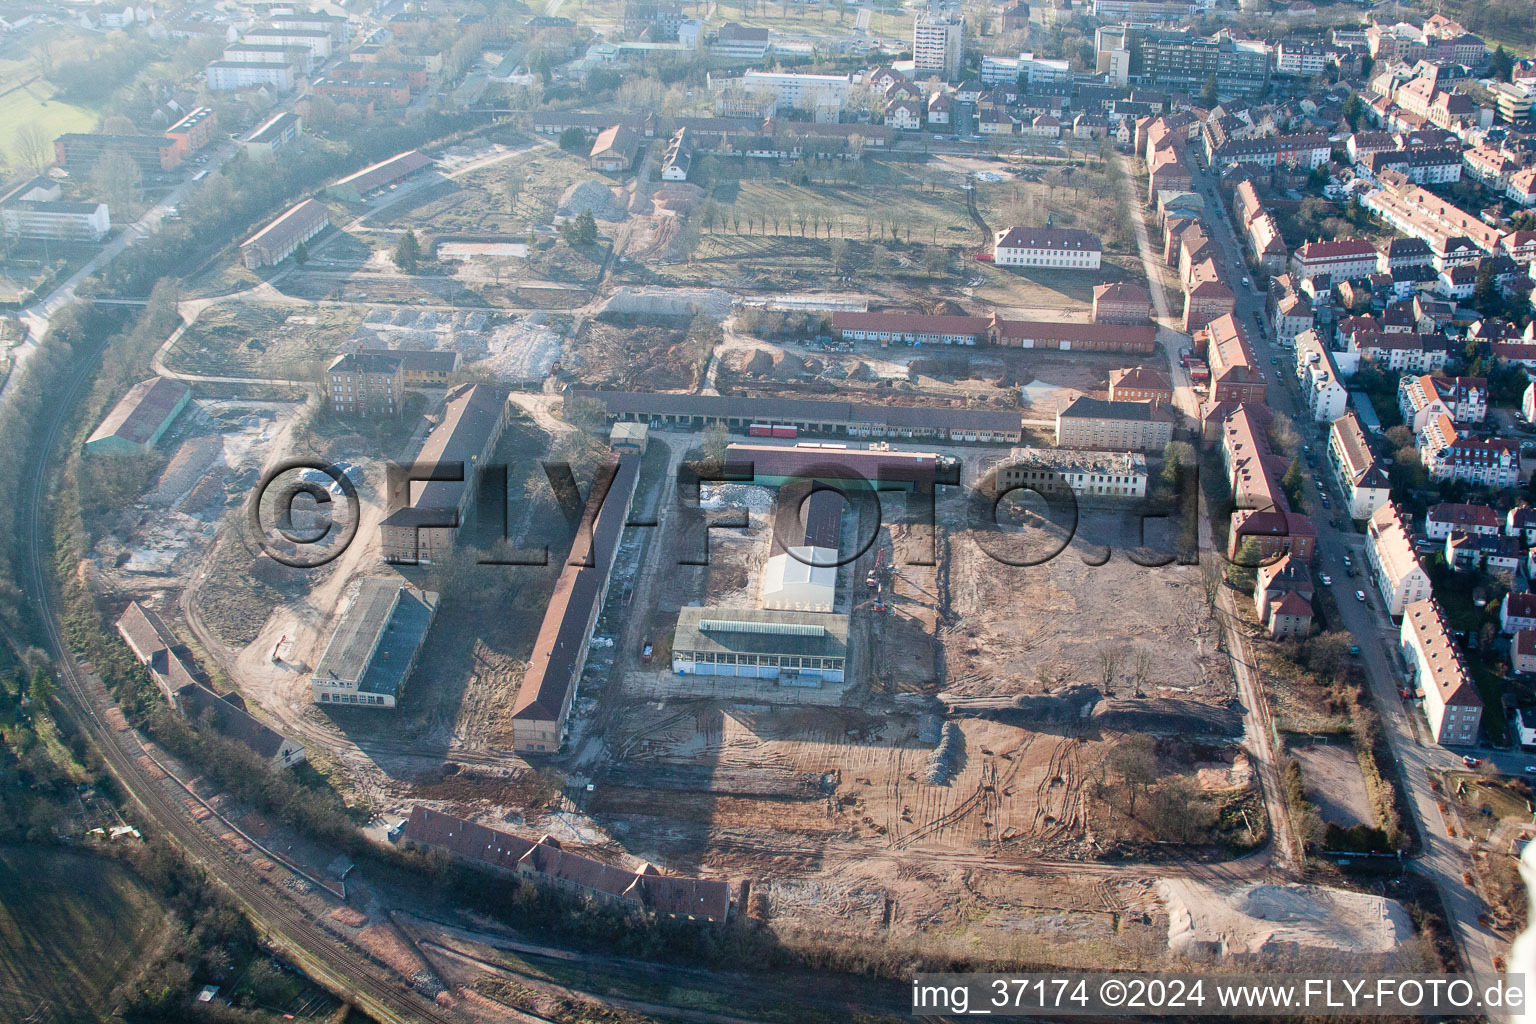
<point x="1366" y="487"/>
<point x="1113" y="426"/>
<point x="1451" y="701"/>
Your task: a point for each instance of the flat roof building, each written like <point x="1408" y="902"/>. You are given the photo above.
<point x="234" y="75"/>
<point x="792" y="648"/>
<point x="78" y="152"/>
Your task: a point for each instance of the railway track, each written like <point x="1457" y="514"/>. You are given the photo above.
<point x="286" y="926"/>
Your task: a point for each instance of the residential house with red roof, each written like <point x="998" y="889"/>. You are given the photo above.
<point x="1451" y="701"/>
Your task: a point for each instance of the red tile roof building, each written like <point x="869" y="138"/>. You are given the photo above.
<point x="273" y="243"/>
<point x="546" y="862"/>
<point x="1140" y="384"/>
<point x="1121" y="303"/>
<point x="1263" y="513"/>
<point x="1235" y="373"/>
<point x="1347" y="259"/>
<point x="1451" y="701"/>
<point x="1450" y="454"/>
<point x="560" y="650"/>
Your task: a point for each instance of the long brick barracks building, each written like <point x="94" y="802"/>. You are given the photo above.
<point x="919" y="329"/>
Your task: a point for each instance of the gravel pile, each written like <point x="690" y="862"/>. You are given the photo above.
<point x="1262" y="919"/>
<point x="591" y="197"/>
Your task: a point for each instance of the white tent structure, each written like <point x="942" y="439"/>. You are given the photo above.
<point x="804" y="580"/>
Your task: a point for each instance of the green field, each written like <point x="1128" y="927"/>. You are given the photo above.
<point x="72" y="927"/>
<point x="34" y="103"/>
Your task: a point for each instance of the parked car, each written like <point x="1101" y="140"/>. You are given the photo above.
<point x="647" y="650"/>
<point x="1530" y="769"/>
<point x="1470" y="761"/>
<point x="1327" y="580"/>
<point x="1360" y="596"/>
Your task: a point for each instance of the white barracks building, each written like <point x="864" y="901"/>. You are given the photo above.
<point x="1046" y="247"/>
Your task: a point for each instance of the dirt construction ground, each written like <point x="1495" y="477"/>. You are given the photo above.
<point x="1031" y="629"/>
<point x="737" y="787"/>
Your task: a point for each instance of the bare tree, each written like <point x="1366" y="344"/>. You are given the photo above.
<point x="1211" y="579"/>
<point x="837" y="249"/>
<point x="716" y="438"/>
<point x="31" y="146"/>
<point x="116" y="178"/>
<point x="1109" y="665"/>
<point x="1283" y="433"/>
<point x="1141" y="667"/>
<point x="1134" y="764"/>
<point x="1176" y="813"/>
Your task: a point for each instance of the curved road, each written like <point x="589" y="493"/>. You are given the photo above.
<point x="287" y="926"/>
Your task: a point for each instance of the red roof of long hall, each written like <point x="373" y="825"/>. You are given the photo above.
<point x="142" y="410"/>
<point x="1142" y="335"/>
<point x="665" y="894"/>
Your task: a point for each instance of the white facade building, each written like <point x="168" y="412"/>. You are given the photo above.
<point x="34" y="210"/>
<point x="1366" y="487"/>
<point x="230" y="75"/>
<point x="1046" y="247"/>
<point x="799" y="92"/>
<point x="1451" y="701"/>
<point x="1006" y="70"/>
<point x="804" y="579"/>
<point x="1321" y="389"/>
<point x="938" y="44"/>
<point x="316" y="41"/>
<point x="1395" y="566"/>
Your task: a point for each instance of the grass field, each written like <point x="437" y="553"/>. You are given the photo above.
<point x="72" y="925"/>
<point x="34" y="103"/>
<point x="870" y="211"/>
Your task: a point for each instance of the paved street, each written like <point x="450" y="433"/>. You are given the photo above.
<point x="1444" y="858"/>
